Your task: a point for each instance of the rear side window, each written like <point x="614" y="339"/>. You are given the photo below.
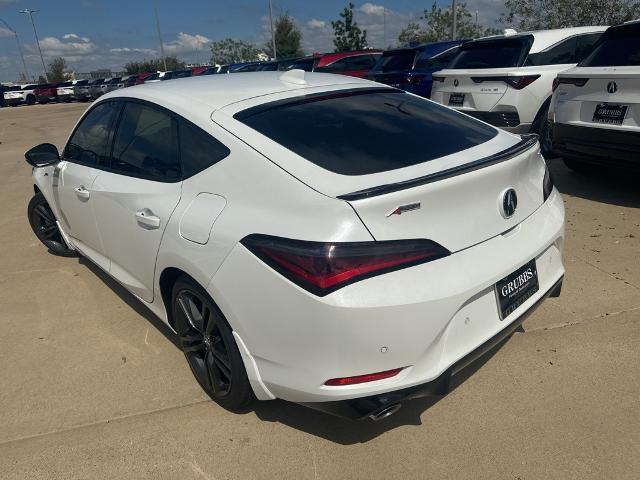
<point x="498" y="53"/>
<point x="198" y="149"/>
<point x="90" y="142"/>
<point x="360" y="132"/>
<point x="619" y="47"/>
<point x="563" y="52"/>
<point x="396" y="60"/>
<point x="146" y="145"/>
<point x="439" y="61"/>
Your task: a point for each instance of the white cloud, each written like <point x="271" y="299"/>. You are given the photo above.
<point x="186" y="43"/>
<point x="371" y="9"/>
<point x="145" y="51"/>
<point x="5" y="32"/>
<point x="70" y="45"/>
<point x="313" y="23"/>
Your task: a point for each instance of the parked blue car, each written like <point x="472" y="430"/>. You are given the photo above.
<point x="410" y="68"/>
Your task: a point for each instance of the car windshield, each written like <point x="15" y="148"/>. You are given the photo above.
<point x="395" y="60"/>
<point x="493" y="53"/>
<point x="364" y="131"/>
<point x="618" y="47"/>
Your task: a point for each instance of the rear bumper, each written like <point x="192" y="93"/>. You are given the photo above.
<point x="601" y="146"/>
<point x="361" y="408"/>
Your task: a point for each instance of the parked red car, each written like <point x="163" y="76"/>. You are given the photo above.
<point x="197" y="70"/>
<point x="356" y="63"/>
<point x="46" y="93"/>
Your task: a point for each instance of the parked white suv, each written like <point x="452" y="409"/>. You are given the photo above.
<point x="596" y="105"/>
<point x="506" y="80"/>
<point x="17" y="96"/>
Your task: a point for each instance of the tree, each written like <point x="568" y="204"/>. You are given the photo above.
<point x="228" y="51"/>
<point x="57" y="69"/>
<point x="438" y="22"/>
<point x="542" y="14"/>
<point x="154" y="65"/>
<point x="288" y="37"/>
<point x="347" y="34"/>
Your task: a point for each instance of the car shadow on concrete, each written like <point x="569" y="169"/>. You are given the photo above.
<point x="599" y="184"/>
<point x="132" y="301"/>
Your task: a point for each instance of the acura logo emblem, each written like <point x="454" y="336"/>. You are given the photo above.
<point x="456" y="82"/>
<point x="509" y="203"/>
<point x="612" y="87"/>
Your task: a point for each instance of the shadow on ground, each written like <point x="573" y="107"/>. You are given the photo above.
<point x="599" y="184"/>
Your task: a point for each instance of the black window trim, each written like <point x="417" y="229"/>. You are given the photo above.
<point x="121" y="103"/>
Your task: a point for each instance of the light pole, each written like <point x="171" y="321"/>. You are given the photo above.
<point x="15" y="34"/>
<point x="453" y="24"/>
<point x="164" y="59"/>
<point x="35" y="33"/>
<point x="273" y="34"/>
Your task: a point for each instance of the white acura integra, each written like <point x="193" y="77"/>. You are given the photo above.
<point x="311" y="237"/>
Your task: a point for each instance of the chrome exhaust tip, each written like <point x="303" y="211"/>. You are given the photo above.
<point x="385" y="412"/>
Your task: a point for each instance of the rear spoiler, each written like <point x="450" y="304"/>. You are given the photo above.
<point x="527" y="141"/>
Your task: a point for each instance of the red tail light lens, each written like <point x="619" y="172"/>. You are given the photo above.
<point x="370" y="377"/>
<point x="322" y="268"/>
<point x="578" y="82"/>
<point x="518" y="82"/>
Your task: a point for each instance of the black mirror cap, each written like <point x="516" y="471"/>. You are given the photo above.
<point x="42" y="155"/>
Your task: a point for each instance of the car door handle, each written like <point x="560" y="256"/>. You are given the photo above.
<point x="82" y="192"/>
<point x="147" y="219"/>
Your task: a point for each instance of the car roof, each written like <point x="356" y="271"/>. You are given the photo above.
<point x="543" y="39"/>
<point x="200" y="96"/>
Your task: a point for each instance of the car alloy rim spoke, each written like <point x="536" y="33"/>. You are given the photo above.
<point x="192" y="343"/>
<point x="45" y="214"/>
<point x="50" y="231"/>
<point x="219" y="378"/>
<point x="222" y="363"/>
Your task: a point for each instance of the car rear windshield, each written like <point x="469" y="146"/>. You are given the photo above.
<point x="496" y="53"/>
<point x="618" y="47"/>
<point x="395" y="60"/>
<point x="365" y="131"/>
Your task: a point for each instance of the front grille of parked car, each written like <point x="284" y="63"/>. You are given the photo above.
<point x="498" y="119"/>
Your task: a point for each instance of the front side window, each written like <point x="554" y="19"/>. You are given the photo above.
<point x="365" y="131"/>
<point x="494" y="53"/>
<point x="90" y="143"/>
<point x="335" y="67"/>
<point x="619" y="47"/>
<point x="146" y="145"/>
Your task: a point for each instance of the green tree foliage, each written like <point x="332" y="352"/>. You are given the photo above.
<point x="57" y="69"/>
<point x="153" y="65"/>
<point x="347" y="34"/>
<point x="437" y="26"/>
<point x="229" y="50"/>
<point x="288" y="38"/>
<point x="543" y="14"/>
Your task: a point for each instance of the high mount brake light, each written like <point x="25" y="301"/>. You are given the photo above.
<point x="518" y="81"/>
<point x="578" y="82"/>
<point x="322" y="268"/>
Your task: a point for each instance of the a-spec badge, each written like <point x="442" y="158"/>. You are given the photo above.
<point x="404" y="209"/>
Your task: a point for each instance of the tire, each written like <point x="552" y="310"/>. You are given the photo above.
<point x="209" y="346"/>
<point x="30" y="99"/>
<point x="542" y="127"/>
<point x="43" y="223"/>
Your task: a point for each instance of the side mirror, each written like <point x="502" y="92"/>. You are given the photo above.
<point x="42" y="155"/>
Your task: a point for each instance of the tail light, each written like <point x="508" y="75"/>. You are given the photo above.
<point x="413" y="79"/>
<point x="322" y="268"/>
<point x="518" y="82"/>
<point x="578" y="82"/>
<point x="370" y="377"/>
<point x="437" y="79"/>
<point x="547" y="183"/>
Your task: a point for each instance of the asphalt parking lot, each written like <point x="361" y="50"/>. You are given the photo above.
<point x="92" y="387"/>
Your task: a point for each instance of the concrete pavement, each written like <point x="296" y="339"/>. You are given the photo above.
<point x="91" y="385"/>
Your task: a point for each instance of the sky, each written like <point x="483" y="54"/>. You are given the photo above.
<point x="92" y="34"/>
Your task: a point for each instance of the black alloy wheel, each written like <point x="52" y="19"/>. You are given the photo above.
<point x="209" y="346"/>
<point x="43" y="223"/>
